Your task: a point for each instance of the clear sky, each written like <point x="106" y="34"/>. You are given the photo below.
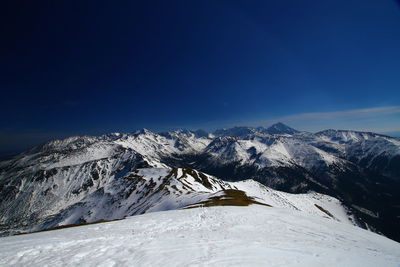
<point x="94" y="67"/>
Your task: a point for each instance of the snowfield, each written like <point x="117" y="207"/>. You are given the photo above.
<point x="216" y="236"/>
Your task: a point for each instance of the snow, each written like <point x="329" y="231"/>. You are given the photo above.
<point x="155" y="145"/>
<point x="153" y="173"/>
<point x="91" y="153"/>
<point x="277" y="152"/>
<point x="302" y="202"/>
<point x="217" y="236"/>
<point x="156" y="189"/>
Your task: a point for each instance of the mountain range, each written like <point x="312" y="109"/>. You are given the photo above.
<point x="343" y="175"/>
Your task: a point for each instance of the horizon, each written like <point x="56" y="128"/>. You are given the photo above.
<point x="8" y="153"/>
<point x="116" y="67"/>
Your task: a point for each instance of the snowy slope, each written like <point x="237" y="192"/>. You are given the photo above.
<point x="158" y="189"/>
<point x="217" y="236"/>
<point x="51" y="177"/>
<point x="311" y="203"/>
<point x="374" y="151"/>
<point x="263" y="150"/>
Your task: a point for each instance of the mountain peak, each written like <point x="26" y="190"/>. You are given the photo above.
<point x="280" y="128"/>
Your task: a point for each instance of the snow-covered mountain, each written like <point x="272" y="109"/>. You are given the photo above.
<point x="87" y="178"/>
<point x="145" y="190"/>
<point x="373" y="151"/>
<point x="280" y="128"/>
<point x="213" y="236"/>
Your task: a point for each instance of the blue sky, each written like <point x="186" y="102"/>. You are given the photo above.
<point x="91" y="67"/>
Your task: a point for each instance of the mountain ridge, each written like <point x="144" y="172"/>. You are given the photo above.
<point x="346" y="166"/>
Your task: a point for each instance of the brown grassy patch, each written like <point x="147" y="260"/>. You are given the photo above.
<point x="230" y="197"/>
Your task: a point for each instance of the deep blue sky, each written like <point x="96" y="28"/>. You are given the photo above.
<point x="93" y="67"/>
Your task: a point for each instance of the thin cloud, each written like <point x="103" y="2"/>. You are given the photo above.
<point x="376" y="111"/>
<point x="375" y="119"/>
